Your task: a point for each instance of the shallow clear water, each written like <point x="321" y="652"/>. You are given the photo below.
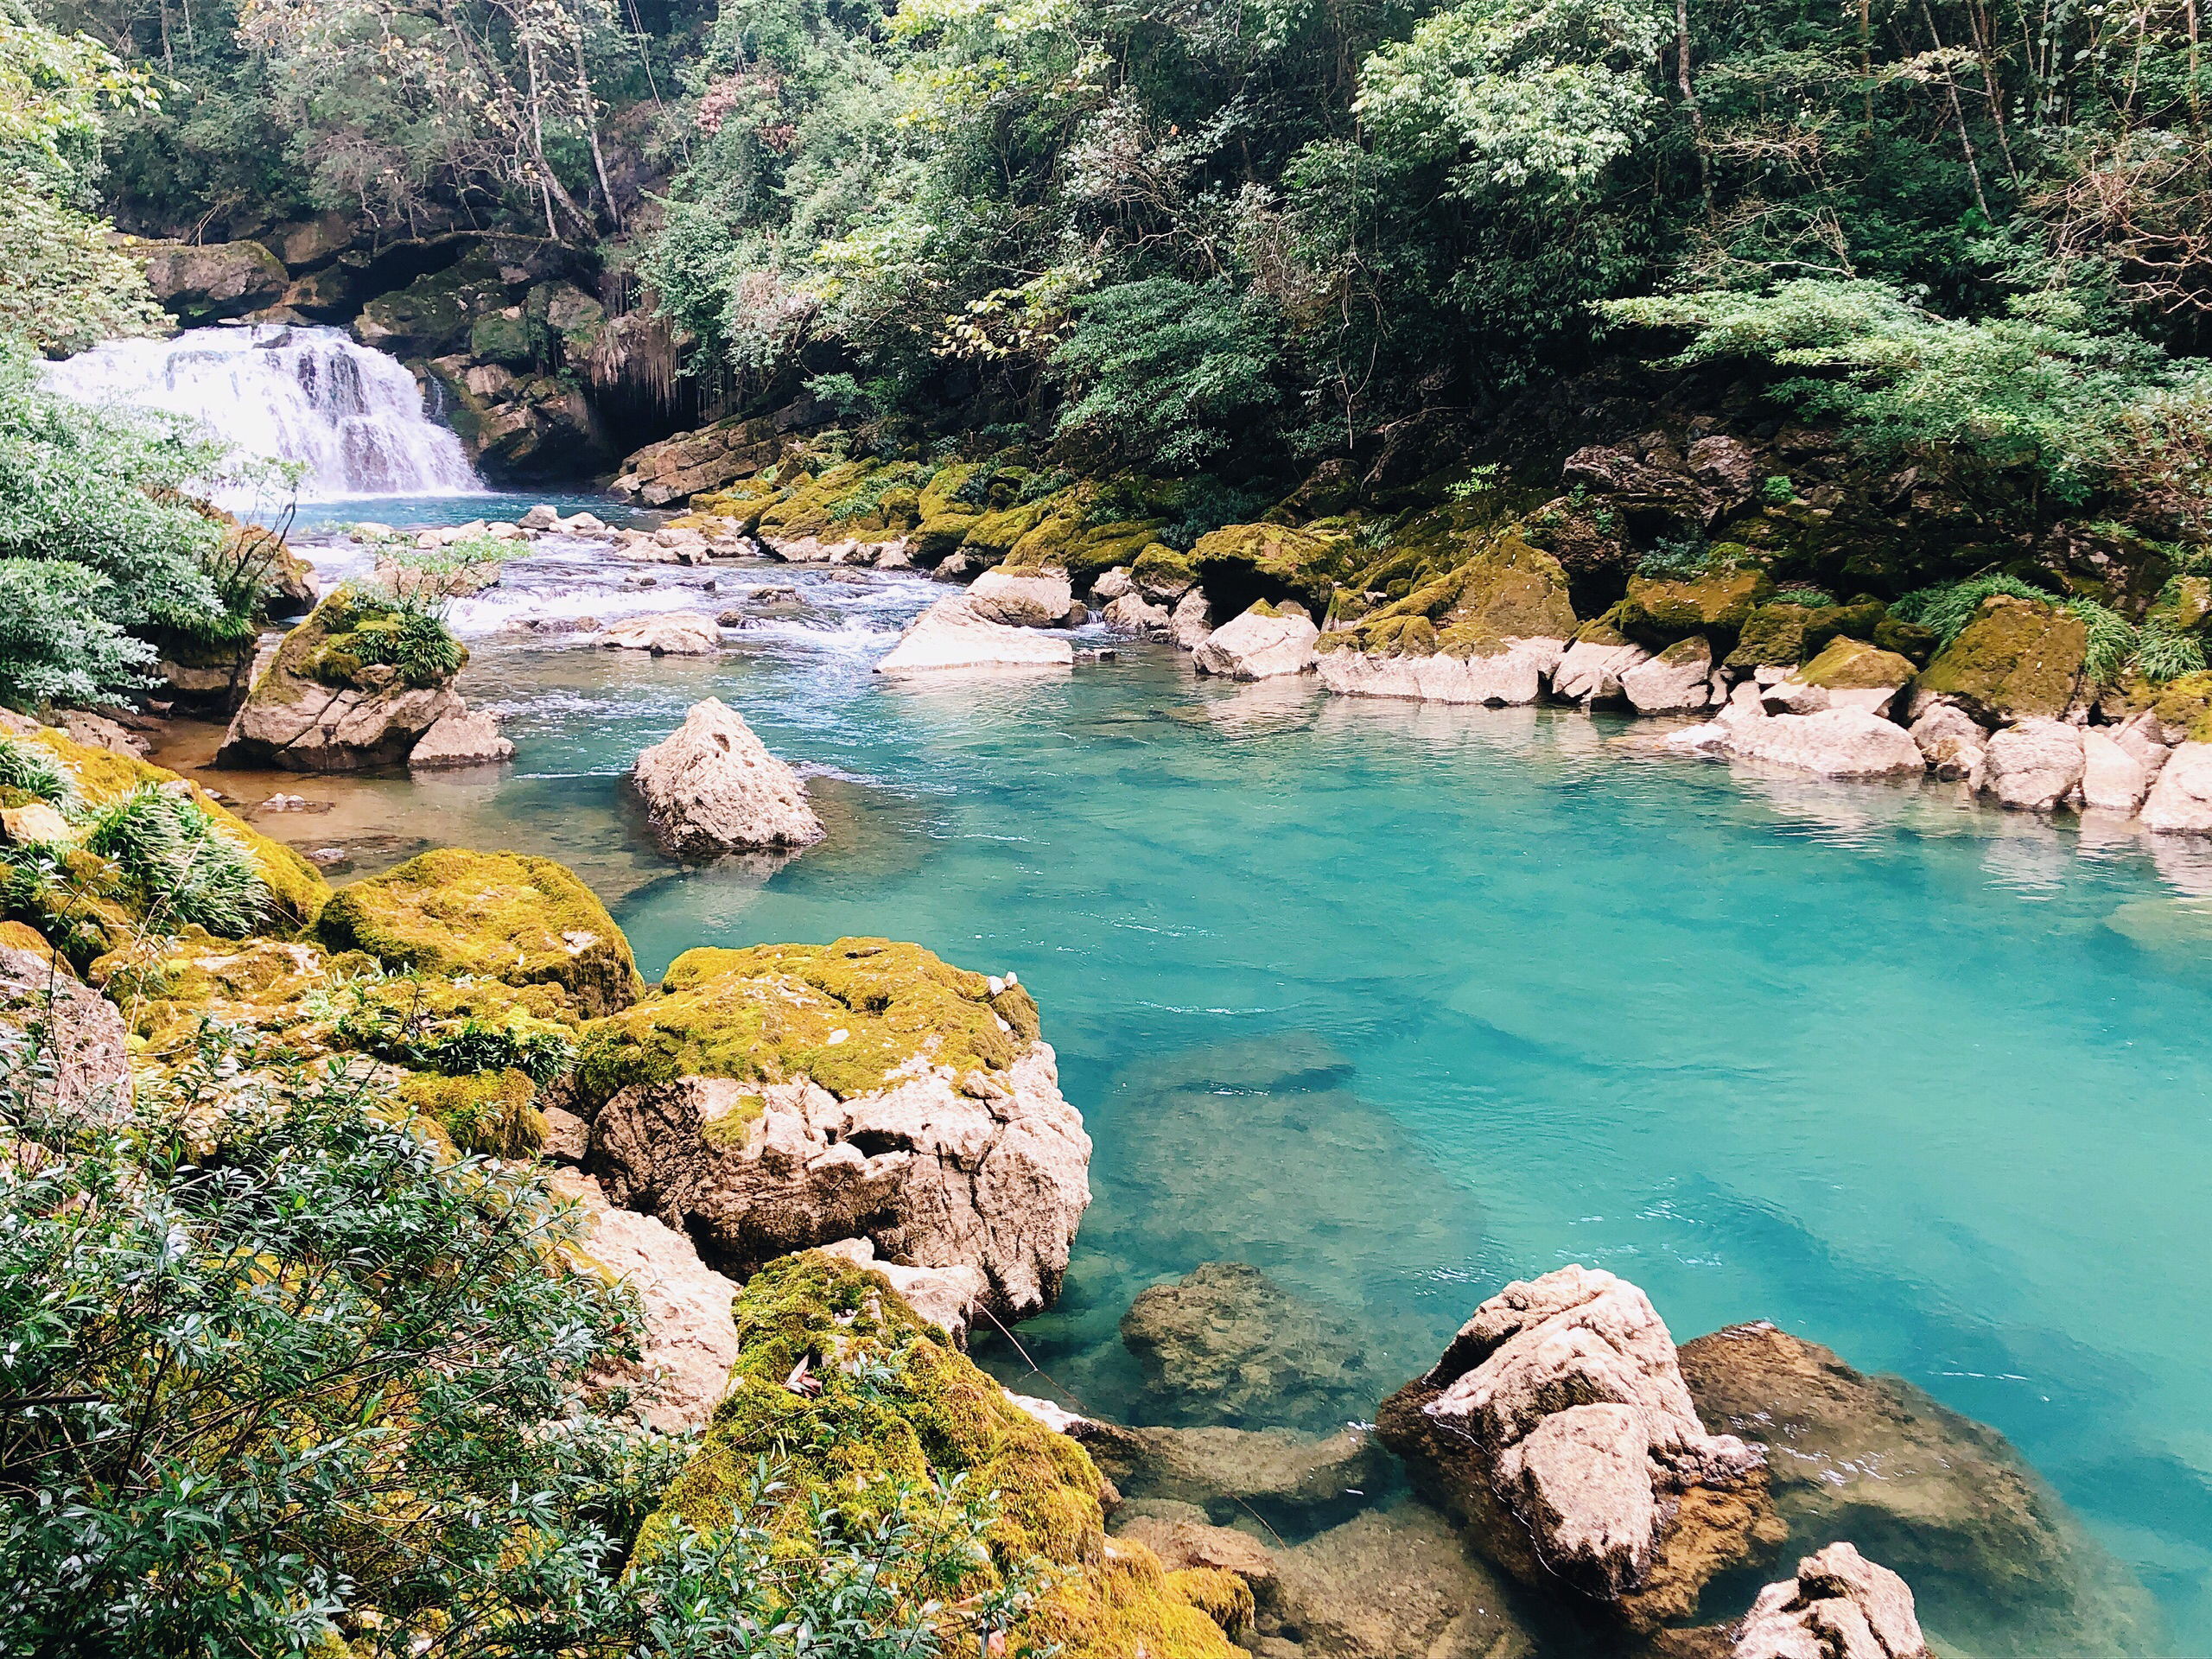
<point x="1398" y="1003"/>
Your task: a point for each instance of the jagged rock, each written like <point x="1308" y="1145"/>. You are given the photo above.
<point x="1512" y="675"/>
<point x="1840" y="1605"/>
<point x="1192" y="620"/>
<point x="1848" y="674"/>
<point x="712" y="786"/>
<point x="540" y="517"/>
<point x="1950" y="741"/>
<point x="2016" y="660"/>
<point x="2033" y="764"/>
<point x="1264" y="644"/>
<point x="319" y="707"/>
<point x="2182" y="798"/>
<point x="1112" y="585"/>
<point x="953" y="634"/>
<point x="689" y="1341"/>
<point x="945" y="1297"/>
<point x="1591" y="669"/>
<point x="2111" y="777"/>
<point x="1131" y="612"/>
<point x="1558" y="1427"/>
<point x="913" y="1105"/>
<point x="98" y="732"/>
<point x="1225" y="1343"/>
<point x="1676" y="680"/>
<point x="67" y="1044"/>
<point x="677" y="633"/>
<point x="1946" y="1500"/>
<point x="462" y="740"/>
<point x="208" y="282"/>
<point x="1835" y="743"/>
<point x="1028" y="599"/>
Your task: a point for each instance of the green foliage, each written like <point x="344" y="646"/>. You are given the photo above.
<point x="1168" y="373"/>
<point x="371" y="627"/>
<point x="2164" y="652"/>
<point x="1684" y="559"/>
<point x="1777" y="489"/>
<point x="2112" y="642"/>
<point x="1946" y="611"/>
<point x="55" y="647"/>
<point x="35" y="772"/>
<point x="1811" y="598"/>
<point x="178" y="864"/>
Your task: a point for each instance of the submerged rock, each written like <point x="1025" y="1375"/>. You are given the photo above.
<point x="1393" y="1584"/>
<point x="785" y="1097"/>
<point x="1262" y="644"/>
<point x="1558" y="1428"/>
<point x="1225" y="1343"/>
<point x="1840" y="1605"/>
<point x="954" y="634"/>
<point x="712" y="786"/>
<point x="1228" y="1471"/>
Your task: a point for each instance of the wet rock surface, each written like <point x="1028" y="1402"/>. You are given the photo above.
<point x="712" y="786"/>
<point x="1225" y="1343"/>
<point x="1840" y="1605"/>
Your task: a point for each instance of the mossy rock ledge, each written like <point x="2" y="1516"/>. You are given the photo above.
<point x="2016" y="660"/>
<point x="897" y="1402"/>
<point x="499" y="916"/>
<point x="771" y="1099"/>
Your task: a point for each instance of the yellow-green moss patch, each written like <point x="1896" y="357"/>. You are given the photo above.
<point x="490" y="1113"/>
<point x="2015" y="660"/>
<point x="503" y="916"/>
<point x="1852" y="664"/>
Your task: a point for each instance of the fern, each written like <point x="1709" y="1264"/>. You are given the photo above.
<point x="2110" y="644"/>
<point x="1945" y="612"/>
<point x="181" y="867"/>
<point x="2162" y="652"/>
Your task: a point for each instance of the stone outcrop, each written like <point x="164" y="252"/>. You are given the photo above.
<point x="1028" y="599"/>
<point x="1264" y="644"/>
<point x="689" y="1341"/>
<point x="953" y="634"/>
<point x="1558" y="1427"/>
<point x="1848" y="674"/>
<point x="1488" y="630"/>
<point x="715" y="456"/>
<point x="787" y="1096"/>
<point x="1834" y="743"/>
<point x="1192" y="620"/>
<point x="1677" y="680"/>
<point x="945" y="1297"/>
<point x="2034" y="764"/>
<point x="2182" y="798"/>
<point x="711" y="786"/>
<point x="1131" y="612"/>
<point x="2016" y="660"/>
<point x="1951" y="742"/>
<point x="673" y="634"/>
<point x="1225" y="1343"/>
<point x="66" y="1045"/>
<point x="1511" y="676"/>
<point x="462" y="740"/>
<point x="1591" y="669"/>
<point x="332" y="701"/>
<point x="1840" y="1605"/>
<point x="205" y="282"/>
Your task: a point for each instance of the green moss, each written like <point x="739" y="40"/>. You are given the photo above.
<point x="1773" y="633"/>
<point x="1508" y="590"/>
<point x="733" y="1129"/>
<point x="169" y="985"/>
<point x="847" y="1014"/>
<point x="502" y="916"/>
<point x="502" y="339"/>
<point x="492" y="1113"/>
<point x="1657" y="612"/>
<point x="2016" y="660"/>
<point x="1906" y="638"/>
<point x="1852" y="664"/>
<point x="896" y="1400"/>
<point x="1275" y="560"/>
<point x="2186" y="702"/>
<point x="1160" y="567"/>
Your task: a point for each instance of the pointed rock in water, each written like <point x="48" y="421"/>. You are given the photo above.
<point x="1262" y="644"/>
<point x="1840" y="1605"/>
<point x="712" y="787"/>
<point x="462" y="740"/>
<point x="1557" y="1426"/>
<point x="954" y="634"/>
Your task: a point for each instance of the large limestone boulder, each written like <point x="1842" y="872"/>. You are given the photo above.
<point x="1675" y="681"/>
<point x="205" y="282"/>
<point x="2016" y="660"/>
<point x="1589" y="670"/>
<point x="1511" y="674"/>
<point x="1131" y="612"/>
<point x="1944" y="1500"/>
<point x="675" y="633"/>
<point x="1225" y="1343"/>
<point x="1848" y="674"/>
<point x="2182" y="798"/>
<point x="1558" y="1427"/>
<point x="954" y="634"/>
<point x="1264" y="644"/>
<point x="785" y="1097"/>
<point x="346" y="691"/>
<point x="711" y="786"/>
<point x="1192" y="620"/>
<point x="461" y="740"/>
<point x="1840" y="1605"/>
<point x="2034" y="764"/>
<point x="1659" y="611"/>
<point x="66" y="1044"/>
<point x="1951" y="741"/>
<point x="502" y="916"/>
<point x="689" y="1341"/>
<point x="2112" y="778"/>
<point x="1027" y="599"/>
<point x="1835" y="743"/>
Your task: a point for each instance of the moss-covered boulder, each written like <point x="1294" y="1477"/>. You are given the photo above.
<point x="2017" y="659"/>
<point x="492" y="1113"/>
<point x="170" y="985"/>
<point x="1239" y="563"/>
<point x="1508" y="591"/>
<point x="893" y="1404"/>
<point x="502" y="916"/>
<point x="1773" y="634"/>
<point x="1846" y="664"/>
<point x="1658" y="612"/>
<point x="848" y="1015"/>
<point x="1161" y="572"/>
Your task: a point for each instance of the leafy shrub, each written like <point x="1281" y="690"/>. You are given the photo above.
<point x="2164" y="652"/>
<point x="181" y="867"/>
<point x="1945" y="611"/>
<point x="1682" y="560"/>
<point x="1777" y="489"/>
<point x="34" y="770"/>
<point x="1169" y="373"/>
<point x="374" y="627"/>
<point x="1812" y="599"/>
<point x="55" y="646"/>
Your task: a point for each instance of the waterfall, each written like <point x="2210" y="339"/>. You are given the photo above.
<point x="351" y="415"/>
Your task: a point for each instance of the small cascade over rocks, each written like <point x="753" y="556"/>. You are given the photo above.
<point x="353" y="416"/>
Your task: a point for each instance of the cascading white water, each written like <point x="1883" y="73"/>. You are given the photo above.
<point x="351" y="415"/>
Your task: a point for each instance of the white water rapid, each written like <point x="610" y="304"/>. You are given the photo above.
<point x="351" y="415"/>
